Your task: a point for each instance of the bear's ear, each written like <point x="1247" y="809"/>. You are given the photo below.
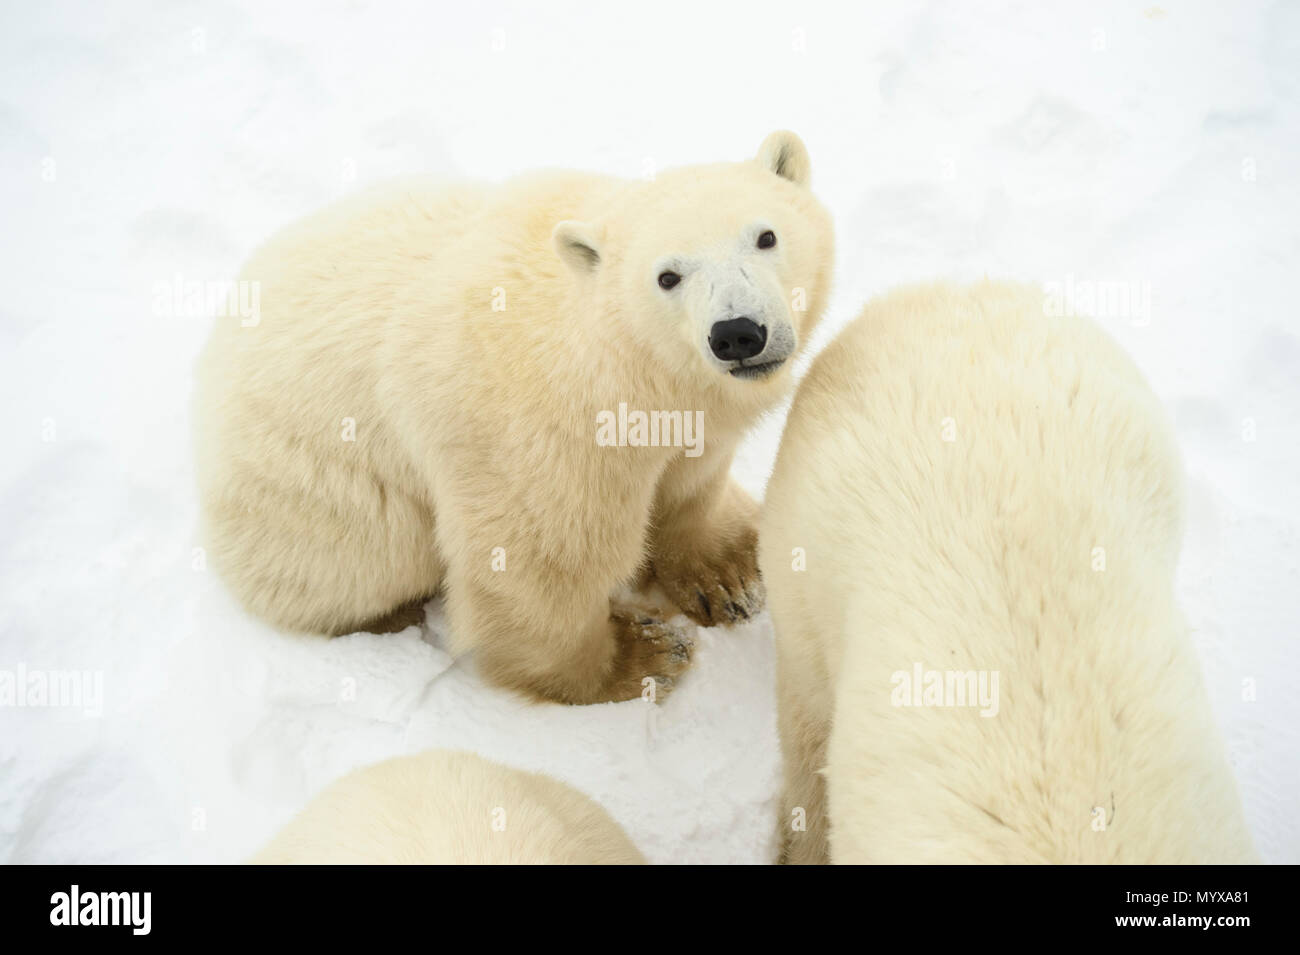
<point x="785" y="154"/>
<point x="577" y="245"/>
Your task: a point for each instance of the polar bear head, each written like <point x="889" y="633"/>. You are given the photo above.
<point x="717" y="271"/>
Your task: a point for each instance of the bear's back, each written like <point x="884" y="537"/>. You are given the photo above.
<point x="444" y="807"/>
<point x="986" y="489"/>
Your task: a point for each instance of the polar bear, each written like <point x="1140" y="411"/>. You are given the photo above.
<point x="969" y="542"/>
<point x="444" y="807"/>
<point x="524" y="396"/>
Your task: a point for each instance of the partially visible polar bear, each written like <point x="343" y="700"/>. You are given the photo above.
<point x="444" y="807"/>
<point x="524" y="396"/>
<point x="969" y="544"/>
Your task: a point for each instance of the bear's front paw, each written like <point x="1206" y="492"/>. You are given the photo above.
<point x="649" y="648"/>
<point x="716" y="586"/>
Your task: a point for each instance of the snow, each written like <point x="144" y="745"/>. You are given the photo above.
<point x="1110" y="142"/>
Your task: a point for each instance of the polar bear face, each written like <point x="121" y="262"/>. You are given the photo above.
<point x="715" y="270"/>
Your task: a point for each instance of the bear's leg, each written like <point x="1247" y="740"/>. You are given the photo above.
<point x="533" y="602"/>
<point x="614" y="654"/>
<point x="530" y="568"/>
<point x="803" y="722"/>
<point x="804" y="825"/>
<point x="704" y="546"/>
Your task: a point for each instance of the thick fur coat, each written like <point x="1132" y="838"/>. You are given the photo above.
<point x="418" y="408"/>
<point x="450" y="808"/>
<point x="970" y="488"/>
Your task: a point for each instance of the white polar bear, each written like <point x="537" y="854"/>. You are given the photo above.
<point x="454" y="808"/>
<point x="523" y="396"/>
<point x="969" y="543"/>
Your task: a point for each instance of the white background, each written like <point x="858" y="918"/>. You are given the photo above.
<point x="143" y="141"/>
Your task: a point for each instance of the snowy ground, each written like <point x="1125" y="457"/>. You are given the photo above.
<point x="1119" y="142"/>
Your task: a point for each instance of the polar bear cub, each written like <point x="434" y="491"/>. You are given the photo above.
<point x="444" y="807"/>
<point x="524" y="396"/>
<point x="969" y="543"/>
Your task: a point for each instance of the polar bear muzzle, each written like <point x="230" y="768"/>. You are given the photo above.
<point x="737" y="339"/>
<point x="748" y="349"/>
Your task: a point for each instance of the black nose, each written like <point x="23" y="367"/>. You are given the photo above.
<point x="737" y="338"/>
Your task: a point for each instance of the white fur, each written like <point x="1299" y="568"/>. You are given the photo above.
<point x="417" y="409"/>
<point x="983" y="553"/>
<point x="450" y="808"/>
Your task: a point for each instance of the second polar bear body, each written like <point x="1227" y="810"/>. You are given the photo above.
<point x="450" y="808"/>
<point x="967" y="485"/>
<point x="416" y="411"/>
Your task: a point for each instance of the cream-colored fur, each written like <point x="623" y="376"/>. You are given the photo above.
<point x="450" y="808"/>
<point x="1038" y="541"/>
<point x="467" y="339"/>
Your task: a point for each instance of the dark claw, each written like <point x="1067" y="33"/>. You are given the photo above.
<point x="704" y="605"/>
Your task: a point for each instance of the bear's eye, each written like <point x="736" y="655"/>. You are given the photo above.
<point x="767" y="239"/>
<point x="668" y="279"/>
